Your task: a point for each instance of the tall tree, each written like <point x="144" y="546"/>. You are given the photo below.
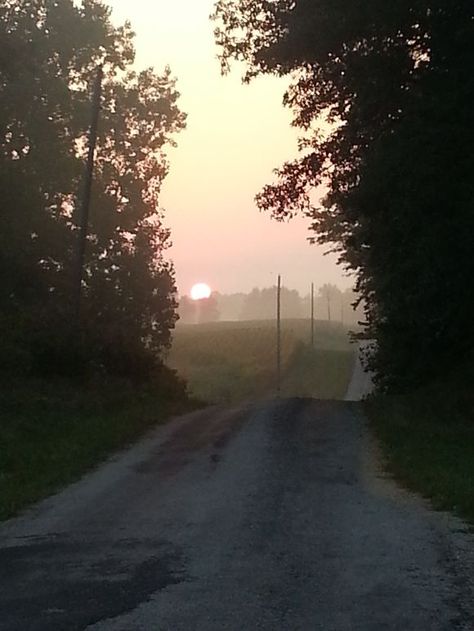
<point x="383" y="94"/>
<point x="49" y="54"/>
<point x="330" y="300"/>
<point x="260" y="304"/>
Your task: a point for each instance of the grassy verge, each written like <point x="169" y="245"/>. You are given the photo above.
<point x="317" y="373"/>
<point x="428" y="440"/>
<point x="53" y="432"/>
<point x="227" y="362"/>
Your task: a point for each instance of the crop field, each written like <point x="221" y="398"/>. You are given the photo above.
<point x="227" y="362"/>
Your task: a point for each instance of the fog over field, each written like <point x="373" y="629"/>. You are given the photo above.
<point x="229" y="362"/>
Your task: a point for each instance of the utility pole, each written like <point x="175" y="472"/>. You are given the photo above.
<point x="329" y="304"/>
<point x="312" y="315"/>
<point x="86" y="194"/>
<point x="278" y="357"/>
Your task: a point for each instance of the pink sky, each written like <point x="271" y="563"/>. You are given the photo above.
<point x="237" y="134"/>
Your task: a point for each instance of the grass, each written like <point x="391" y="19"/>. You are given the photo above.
<point x="51" y="433"/>
<point x="227" y="362"/>
<point x="317" y="373"/>
<point x="428" y="440"/>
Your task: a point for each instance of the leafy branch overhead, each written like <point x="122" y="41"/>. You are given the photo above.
<point x="383" y="95"/>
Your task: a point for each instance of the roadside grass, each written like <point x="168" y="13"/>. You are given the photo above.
<point x="53" y="432"/>
<point x="428" y="441"/>
<point x="227" y="362"/>
<point x="317" y="373"/>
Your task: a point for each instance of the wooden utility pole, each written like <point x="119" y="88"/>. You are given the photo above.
<point x="278" y="354"/>
<point x="312" y="315"/>
<point x="86" y="194"/>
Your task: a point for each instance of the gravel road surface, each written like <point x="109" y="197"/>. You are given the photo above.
<point x="269" y="516"/>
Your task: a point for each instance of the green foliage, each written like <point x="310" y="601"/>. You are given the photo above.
<point x="383" y="94"/>
<point x="428" y="440"/>
<point x="319" y="373"/>
<point x="49" y="56"/>
<point x="52" y="432"/>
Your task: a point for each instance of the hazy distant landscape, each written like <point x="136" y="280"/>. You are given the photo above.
<point x="330" y="303"/>
<point x="226" y="362"/>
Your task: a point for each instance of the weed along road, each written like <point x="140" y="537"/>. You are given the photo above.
<point x="267" y="516"/>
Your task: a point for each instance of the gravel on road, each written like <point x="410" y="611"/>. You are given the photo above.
<point x="269" y="516"/>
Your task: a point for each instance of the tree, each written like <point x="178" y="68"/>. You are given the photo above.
<point x="199" y="311"/>
<point x="383" y="94"/>
<point x="50" y="51"/>
<point x="230" y="305"/>
<point x="330" y="299"/>
<point x="207" y="309"/>
<point x="260" y="304"/>
<point x="187" y="310"/>
<point x="352" y="309"/>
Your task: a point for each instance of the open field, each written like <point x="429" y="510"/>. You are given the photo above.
<point x="225" y="362"/>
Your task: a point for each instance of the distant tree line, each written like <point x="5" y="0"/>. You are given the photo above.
<point x="383" y="94"/>
<point x="331" y="303"/>
<point x="49" y="55"/>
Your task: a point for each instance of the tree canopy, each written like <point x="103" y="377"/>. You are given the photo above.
<point x="49" y="54"/>
<point x="383" y="94"/>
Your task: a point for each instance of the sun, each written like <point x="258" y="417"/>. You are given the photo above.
<point x="200" y="291"/>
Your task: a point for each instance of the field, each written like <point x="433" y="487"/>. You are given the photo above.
<point x="226" y="362"/>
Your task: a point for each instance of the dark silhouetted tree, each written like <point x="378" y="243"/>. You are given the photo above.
<point x="49" y="53"/>
<point x="383" y="94"/>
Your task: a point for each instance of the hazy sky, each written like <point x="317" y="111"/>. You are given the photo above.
<point x="236" y="135"/>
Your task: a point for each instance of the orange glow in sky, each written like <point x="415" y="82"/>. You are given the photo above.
<point x="237" y="134"/>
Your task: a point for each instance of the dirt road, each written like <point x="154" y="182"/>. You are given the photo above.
<point x="272" y="516"/>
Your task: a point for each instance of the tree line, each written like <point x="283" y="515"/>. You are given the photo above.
<point x="330" y="303"/>
<point x="383" y="95"/>
<point x="50" y="51"/>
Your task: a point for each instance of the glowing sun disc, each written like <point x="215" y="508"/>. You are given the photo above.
<point x="200" y="291"/>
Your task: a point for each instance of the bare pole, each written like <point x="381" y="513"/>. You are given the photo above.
<point x="312" y="315"/>
<point x="278" y="357"/>
<point x="86" y="194"/>
<point x="329" y="304"/>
